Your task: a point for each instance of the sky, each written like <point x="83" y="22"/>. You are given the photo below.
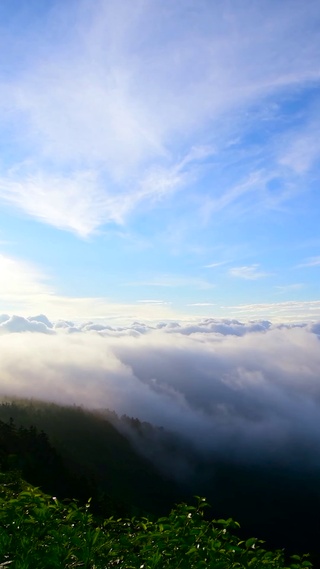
<point x="159" y="161"/>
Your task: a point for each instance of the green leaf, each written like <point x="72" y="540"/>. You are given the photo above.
<point x="251" y="541"/>
<point x="191" y="550"/>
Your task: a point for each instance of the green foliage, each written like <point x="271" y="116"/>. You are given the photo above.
<point x="42" y="532"/>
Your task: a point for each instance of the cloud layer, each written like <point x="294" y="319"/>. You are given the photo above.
<point x="251" y="388"/>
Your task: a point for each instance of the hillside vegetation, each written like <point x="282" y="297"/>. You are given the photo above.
<point x="40" y="531"/>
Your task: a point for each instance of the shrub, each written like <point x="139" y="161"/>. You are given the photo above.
<point x="38" y="531"/>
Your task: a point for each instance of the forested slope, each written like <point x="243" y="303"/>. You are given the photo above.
<point x="86" y="453"/>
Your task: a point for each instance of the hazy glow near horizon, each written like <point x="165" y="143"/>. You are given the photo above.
<point x="160" y="160"/>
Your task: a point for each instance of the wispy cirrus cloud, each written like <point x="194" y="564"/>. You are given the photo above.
<point x="204" y="304"/>
<point x="248" y="272"/>
<point x="302" y="150"/>
<point x="151" y="301"/>
<point x="289" y="287"/>
<point x="215" y="265"/>
<point x="75" y="203"/>
<point x="291" y="310"/>
<point x="172" y="281"/>
<point x="310" y="262"/>
<point x="84" y="200"/>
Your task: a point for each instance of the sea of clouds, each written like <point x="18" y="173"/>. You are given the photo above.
<point x="252" y="388"/>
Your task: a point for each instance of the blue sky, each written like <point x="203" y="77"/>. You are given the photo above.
<point x="160" y="160"/>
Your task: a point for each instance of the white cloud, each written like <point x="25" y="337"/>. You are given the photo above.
<point x="252" y="184"/>
<point x="302" y="149"/>
<point x="150" y="301"/>
<point x="289" y="311"/>
<point x="42" y="319"/>
<point x="18" y="324"/>
<point x="214" y="265"/>
<point x="289" y="287"/>
<point x="77" y="203"/>
<point x="249" y="272"/>
<point x="222" y="326"/>
<point x="311" y="262"/>
<point x="172" y="281"/>
<point x="84" y="200"/>
<point x="202" y="304"/>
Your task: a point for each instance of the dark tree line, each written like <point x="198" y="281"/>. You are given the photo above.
<point x="71" y="453"/>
